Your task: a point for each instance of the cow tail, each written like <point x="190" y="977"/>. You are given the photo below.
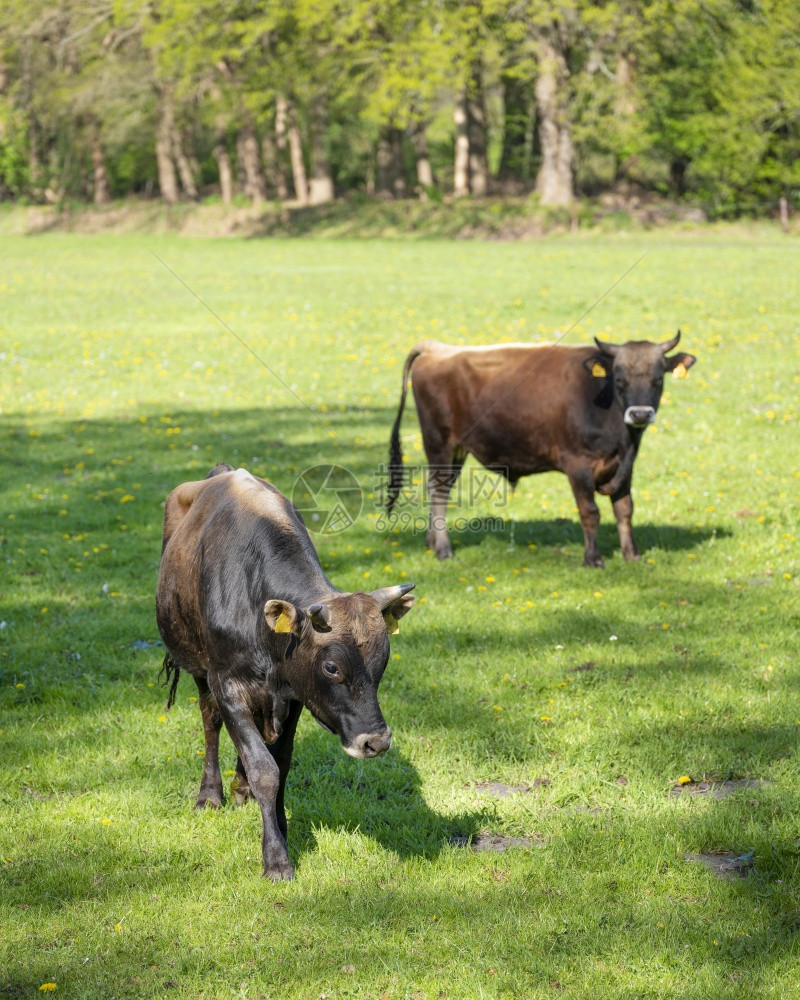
<point x="172" y="673"/>
<point x="396" y="474"/>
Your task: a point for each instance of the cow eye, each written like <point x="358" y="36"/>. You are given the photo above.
<point x="330" y="668"/>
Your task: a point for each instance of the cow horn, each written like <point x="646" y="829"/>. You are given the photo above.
<point x="388" y="595"/>
<point x="610" y="349"/>
<point x="668" y="345"/>
<point x="320" y="615"/>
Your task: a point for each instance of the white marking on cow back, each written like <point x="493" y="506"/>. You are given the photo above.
<point x="259" y="499"/>
<point x="441" y="348"/>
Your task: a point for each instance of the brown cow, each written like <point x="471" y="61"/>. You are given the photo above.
<point x="244" y="606"/>
<point x="527" y="408"/>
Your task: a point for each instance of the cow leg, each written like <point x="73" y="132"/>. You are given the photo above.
<point x="281" y="751"/>
<point x="623" y="511"/>
<point x="583" y="488"/>
<point x="264" y="780"/>
<point x="211" y="793"/>
<point x="442" y="476"/>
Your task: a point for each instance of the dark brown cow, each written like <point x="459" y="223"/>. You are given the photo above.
<point x="527" y="408"/>
<point x="244" y="606"/>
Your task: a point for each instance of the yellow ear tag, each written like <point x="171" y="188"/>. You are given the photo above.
<point x="391" y="624"/>
<point x="284" y="623"/>
<point x="680" y="370"/>
<point x="598" y="371"/>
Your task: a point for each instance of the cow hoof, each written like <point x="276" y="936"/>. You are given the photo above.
<point x="208" y="801"/>
<point x="279" y="873"/>
<point x="594" y="562"/>
<point x="631" y="556"/>
<point x="446" y="552"/>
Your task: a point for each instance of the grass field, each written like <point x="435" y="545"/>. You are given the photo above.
<point x="530" y="698"/>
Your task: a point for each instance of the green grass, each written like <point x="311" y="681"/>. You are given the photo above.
<point x="117" y="384"/>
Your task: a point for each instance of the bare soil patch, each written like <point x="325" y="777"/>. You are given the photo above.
<point x="485" y="840"/>
<point x="503" y="791"/>
<point x="716" y="789"/>
<point x="724" y="864"/>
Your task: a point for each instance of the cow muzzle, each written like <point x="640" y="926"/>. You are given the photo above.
<point x="639" y="416"/>
<point x="369" y="744"/>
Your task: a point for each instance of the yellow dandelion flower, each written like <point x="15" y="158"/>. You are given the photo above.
<point x="684" y="780"/>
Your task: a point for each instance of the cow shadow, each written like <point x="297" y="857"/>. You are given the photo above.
<point x="560" y="533"/>
<point x="380" y="799"/>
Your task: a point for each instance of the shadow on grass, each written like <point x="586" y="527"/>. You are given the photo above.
<point x="380" y="800"/>
<point x="92" y="465"/>
<point x="359" y="937"/>
<point x="560" y="532"/>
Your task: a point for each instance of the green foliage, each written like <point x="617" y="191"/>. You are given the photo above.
<point x="688" y="98"/>
<point x="14" y="177"/>
<point x="118" y="385"/>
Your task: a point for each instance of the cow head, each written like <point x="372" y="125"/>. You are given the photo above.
<point x="636" y="370"/>
<point x="333" y="656"/>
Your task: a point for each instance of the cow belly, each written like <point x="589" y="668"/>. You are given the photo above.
<point x="513" y="457"/>
<point x="180" y="636"/>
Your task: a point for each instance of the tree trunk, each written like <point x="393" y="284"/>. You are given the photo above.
<point x="424" y="170"/>
<point x="101" y="193"/>
<point x="385" y="167"/>
<point x="461" y="160"/>
<point x="250" y="162"/>
<point x="399" y="189"/>
<point x="281" y="187"/>
<point x="320" y="188"/>
<point x="167" y="179"/>
<point x="554" y="183"/>
<point x="677" y="175"/>
<point x="625" y="107"/>
<point x="783" y="211"/>
<point x="224" y="169"/>
<point x="188" y="182"/>
<point x="269" y="158"/>
<point x="625" y="78"/>
<point x="391" y="179"/>
<point x="518" y="128"/>
<point x="476" y="132"/>
<point x="296" y="155"/>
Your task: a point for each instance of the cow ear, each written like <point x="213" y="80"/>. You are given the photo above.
<point x="282" y="617"/>
<point x="320" y="615"/>
<point x="679" y="364"/>
<point x="598" y="366"/>
<point x="394" y="602"/>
